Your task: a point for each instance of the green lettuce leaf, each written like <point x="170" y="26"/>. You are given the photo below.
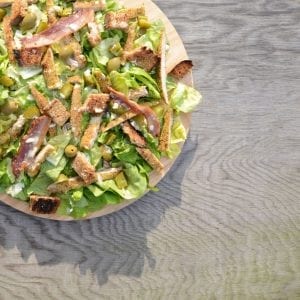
<point x="184" y="98"/>
<point x="100" y="54"/>
<point x="60" y="142"/>
<point x="137" y="183"/>
<point x="151" y="38"/>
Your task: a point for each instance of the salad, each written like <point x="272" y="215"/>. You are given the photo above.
<point x="87" y="109"/>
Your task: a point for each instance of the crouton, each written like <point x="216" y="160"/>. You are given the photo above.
<point x="77" y="182"/>
<point x="120" y="19"/>
<point x="18" y="11"/>
<point x="93" y="36"/>
<point x="95" y="103"/>
<point x="33" y="169"/>
<point x="9" y="38"/>
<point x="57" y="111"/>
<point x="96" y="5"/>
<point x="84" y="169"/>
<point x="17" y="127"/>
<point x="181" y="69"/>
<point x="91" y="133"/>
<point x="76" y="114"/>
<point x="143" y="57"/>
<point x="162" y="69"/>
<point x="41" y="101"/>
<point x="102" y="81"/>
<point x="51" y="13"/>
<point x="165" y="135"/>
<point x="124" y="117"/>
<point x="50" y="74"/>
<point x="131" y="35"/>
<point x="150" y="158"/>
<point x="134" y="137"/>
<point x="30" y="56"/>
<point x="43" y="204"/>
<point x="75" y="79"/>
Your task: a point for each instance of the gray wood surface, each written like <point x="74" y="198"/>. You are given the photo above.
<point x="225" y="224"/>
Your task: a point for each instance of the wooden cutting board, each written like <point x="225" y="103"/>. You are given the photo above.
<point x="175" y="54"/>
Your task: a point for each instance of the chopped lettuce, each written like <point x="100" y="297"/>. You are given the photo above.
<point x="59" y="142"/>
<point x="133" y="78"/>
<point x="137" y="183"/>
<point x="184" y="98"/>
<point x="100" y="55"/>
<point x="151" y="38"/>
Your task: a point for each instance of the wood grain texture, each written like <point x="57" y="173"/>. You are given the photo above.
<point x="225" y="224"/>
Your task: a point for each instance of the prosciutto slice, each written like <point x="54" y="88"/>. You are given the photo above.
<point x="152" y="120"/>
<point x="30" y="144"/>
<point x="60" y="29"/>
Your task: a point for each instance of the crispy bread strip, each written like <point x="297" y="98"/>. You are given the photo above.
<point x="77" y="182"/>
<point x="44" y="204"/>
<point x="76" y="114"/>
<point x="57" y="111"/>
<point x="142" y="57"/>
<point x="95" y="103"/>
<point x="50" y="74"/>
<point x="102" y="81"/>
<point x="34" y="167"/>
<point x="91" y="133"/>
<point x="124" y="117"/>
<point x="150" y="158"/>
<point x="9" y="38"/>
<point x="120" y="19"/>
<point x="75" y="79"/>
<point x="41" y="101"/>
<point x="17" y="127"/>
<point x="165" y="135"/>
<point x="162" y="71"/>
<point x="95" y="5"/>
<point x="51" y="13"/>
<point x="134" y="137"/>
<point x="84" y="169"/>
<point x="181" y="69"/>
<point x="131" y="35"/>
<point x="30" y="56"/>
<point x="18" y="11"/>
<point x="93" y="36"/>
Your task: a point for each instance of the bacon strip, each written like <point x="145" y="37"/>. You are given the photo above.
<point x="30" y="144"/>
<point x="152" y="120"/>
<point x="62" y="28"/>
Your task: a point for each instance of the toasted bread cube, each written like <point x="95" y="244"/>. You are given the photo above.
<point x="50" y="73"/>
<point x="44" y="204"/>
<point x="150" y="158"/>
<point x="134" y="137"/>
<point x="84" y="169"/>
<point x="182" y="69"/>
<point x="57" y="111"/>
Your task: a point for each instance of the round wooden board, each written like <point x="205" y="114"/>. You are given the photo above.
<point x="175" y="54"/>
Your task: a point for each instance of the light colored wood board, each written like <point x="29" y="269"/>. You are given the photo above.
<point x="175" y="54"/>
<point x="225" y="224"/>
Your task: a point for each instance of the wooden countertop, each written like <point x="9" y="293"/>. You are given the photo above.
<point x="225" y="224"/>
